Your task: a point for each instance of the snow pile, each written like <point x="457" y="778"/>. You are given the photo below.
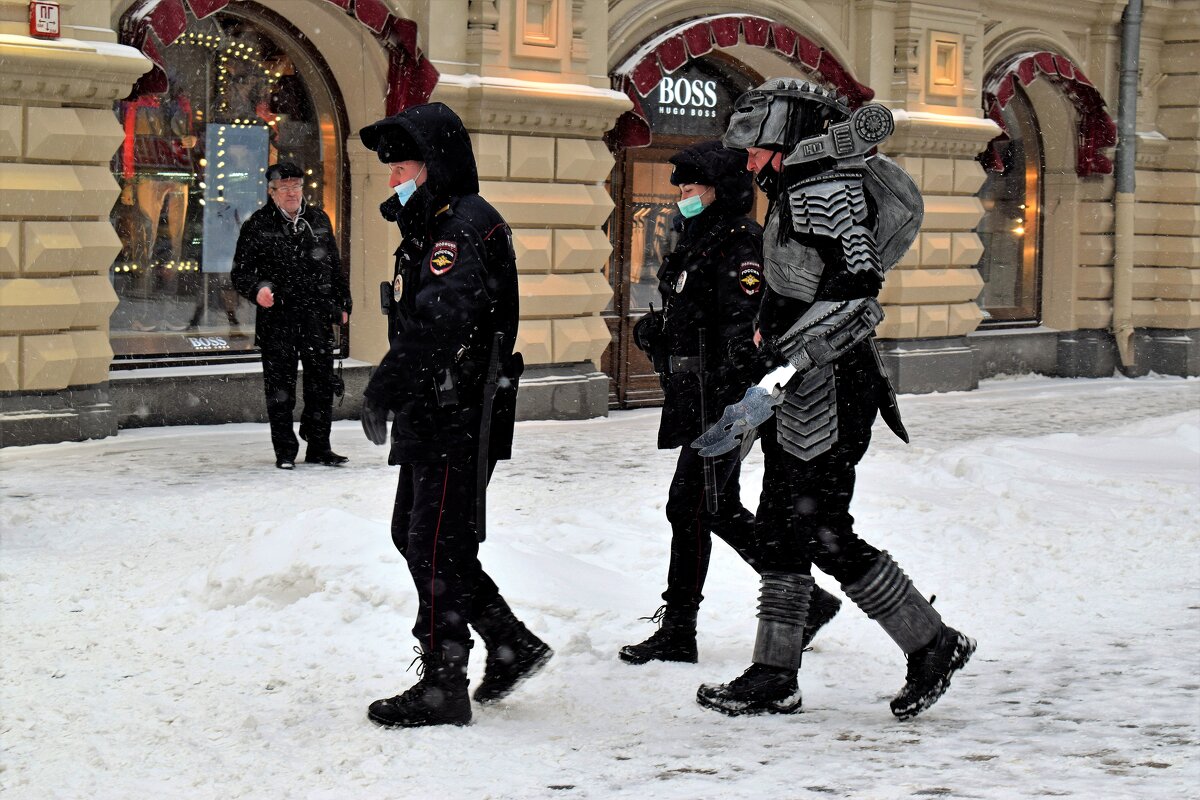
<point x="181" y="619"/>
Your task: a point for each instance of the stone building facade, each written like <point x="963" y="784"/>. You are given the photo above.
<point x="132" y="145"/>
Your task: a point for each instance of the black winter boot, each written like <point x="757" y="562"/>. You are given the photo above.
<point x="822" y="607"/>
<point x="929" y="671"/>
<point x="675" y="639"/>
<point x="770" y="682"/>
<point x="438" y="698"/>
<point x="759" y="689"/>
<point x="934" y="649"/>
<point x="513" y="653"/>
<point x="325" y="457"/>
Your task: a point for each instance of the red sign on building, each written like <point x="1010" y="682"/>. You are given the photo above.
<point x="43" y="19"/>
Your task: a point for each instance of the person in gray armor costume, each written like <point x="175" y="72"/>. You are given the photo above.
<point x="838" y="218"/>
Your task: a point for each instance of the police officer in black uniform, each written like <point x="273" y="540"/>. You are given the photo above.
<point x="701" y="346"/>
<point x="287" y="264"/>
<point x="449" y="380"/>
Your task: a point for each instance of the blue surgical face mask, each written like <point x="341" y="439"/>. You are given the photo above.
<point x="406" y="190"/>
<point x="691" y="206"/>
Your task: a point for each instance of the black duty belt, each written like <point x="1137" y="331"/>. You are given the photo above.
<point x="684" y="364"/>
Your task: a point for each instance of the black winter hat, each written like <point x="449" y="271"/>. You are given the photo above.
<point x="711" y="164"/>
<point x="431" y="133"/>
<point x="283" y="170"/>
<point x="391" y="142"/>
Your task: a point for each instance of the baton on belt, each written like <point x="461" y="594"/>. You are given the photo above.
<point x="710" y="469"/>
<point x="483" y="468"/>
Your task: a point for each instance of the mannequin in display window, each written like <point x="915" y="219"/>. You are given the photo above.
<point x="158" y="169"/>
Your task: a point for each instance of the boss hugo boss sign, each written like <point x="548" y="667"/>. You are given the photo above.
<point x="692" y="97"/>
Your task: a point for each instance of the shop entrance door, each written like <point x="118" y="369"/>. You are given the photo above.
<point x="691" y="105"/>
<point x="643" y="235"/>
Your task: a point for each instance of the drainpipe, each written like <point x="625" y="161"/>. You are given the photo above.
<point x="1122" y="323"/>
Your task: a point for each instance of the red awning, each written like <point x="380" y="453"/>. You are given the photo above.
<point x="151" y="24"/>
<point x="1096" y="131"/>
<point x="672" y="49"/>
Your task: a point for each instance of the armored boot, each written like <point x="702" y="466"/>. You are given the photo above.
<point x="675" y="639"/>
<point x="935" y="651"/>
<point x="769" y="684"/>
<point x="513" y="653"/>
<point x="439" y="697"/>
<point x="822" y="607"/>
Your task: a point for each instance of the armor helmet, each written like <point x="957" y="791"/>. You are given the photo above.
<point x="781" y="112"/>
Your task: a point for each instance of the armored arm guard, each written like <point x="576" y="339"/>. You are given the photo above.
<point x="827" y="330"/>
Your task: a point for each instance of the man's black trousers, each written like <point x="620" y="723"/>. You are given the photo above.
<point x="279" y="381"/>
<point x="692" y="524"/>
<point x="433" y="526"/>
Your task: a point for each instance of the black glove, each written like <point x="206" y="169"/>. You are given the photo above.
<point x="390" y="208"/>
<point x="648" y="332"/>
<point x="374" y="421"/>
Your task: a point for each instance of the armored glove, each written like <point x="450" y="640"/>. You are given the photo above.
<point x="374" y="421"/>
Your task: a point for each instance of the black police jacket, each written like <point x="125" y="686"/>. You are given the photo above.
<point x="455" y="286"/>
<point x="300" y="262"/>
<point x="712" y="282"/>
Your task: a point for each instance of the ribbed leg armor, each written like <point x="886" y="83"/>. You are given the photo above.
<point x="782" y="610"/>
<point x="886" y="595"/>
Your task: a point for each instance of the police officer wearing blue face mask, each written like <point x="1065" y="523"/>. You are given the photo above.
<point x="711" y="285"/>
<point x="452" y="298"/>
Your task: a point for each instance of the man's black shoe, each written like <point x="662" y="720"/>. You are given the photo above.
<point x="513" y="652"/>
<point x="929" y="671"/>
<point x="675" y="639"/>
<point x="759" y="689"/>
<point x="327" y="458"/>
<point x="509" y="666"/>
<point x="285" y="463"/>
<point x="438" y="698"/>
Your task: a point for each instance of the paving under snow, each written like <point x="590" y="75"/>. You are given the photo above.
<point x="180" y="619"/>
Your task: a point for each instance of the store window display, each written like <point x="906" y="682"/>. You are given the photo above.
<point x="242" y="93"/>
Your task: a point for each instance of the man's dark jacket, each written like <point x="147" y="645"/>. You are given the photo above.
<point x="711" y="282"/>
<point x="299" y="261"/>
<point x="457" y="274"/>
<point x="721" y="254"/>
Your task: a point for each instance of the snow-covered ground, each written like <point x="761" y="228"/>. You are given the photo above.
<point x="180" y="619"/>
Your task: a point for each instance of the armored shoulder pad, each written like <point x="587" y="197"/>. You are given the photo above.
<point x="828" y="204"/>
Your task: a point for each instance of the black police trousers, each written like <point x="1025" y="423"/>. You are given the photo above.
<point x="692" y="524"/>
<point x="433" y="526"/>
<point x="279" y="381"/>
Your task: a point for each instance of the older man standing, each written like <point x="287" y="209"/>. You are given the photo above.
<point x="287" y="264"/>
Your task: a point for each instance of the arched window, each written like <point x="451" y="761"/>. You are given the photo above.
<point x="244" y="91"/>
<point x="1011" y="226"/>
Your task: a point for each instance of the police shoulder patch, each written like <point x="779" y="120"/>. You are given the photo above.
<point x="750" y="277"/>
<point x="443" y="256"/>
